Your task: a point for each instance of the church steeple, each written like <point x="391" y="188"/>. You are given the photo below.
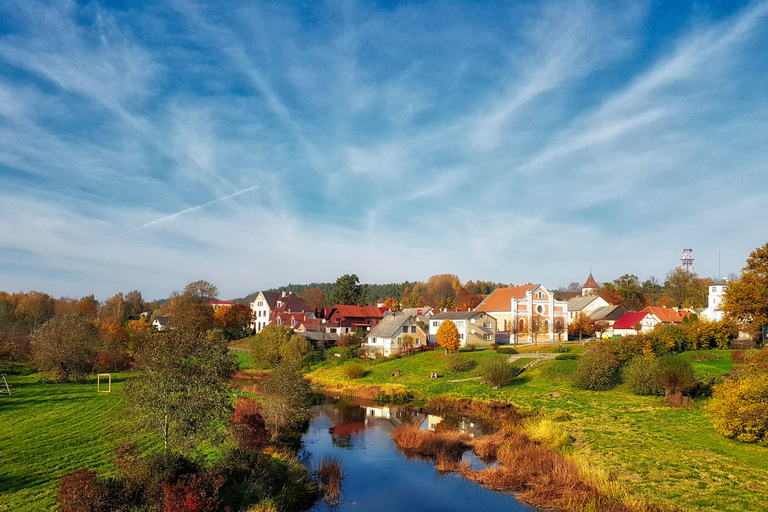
<point x="590" y="287"/>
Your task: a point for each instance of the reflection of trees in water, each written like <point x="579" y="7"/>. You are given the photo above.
<point x="343" y="442"/>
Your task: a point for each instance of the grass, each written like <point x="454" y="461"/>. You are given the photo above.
<point x="673" y="456"/>
<point x="48" y="430"/>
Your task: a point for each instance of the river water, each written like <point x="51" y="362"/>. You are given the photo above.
<point x="378" y="476"/>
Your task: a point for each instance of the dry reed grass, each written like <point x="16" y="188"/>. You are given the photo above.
<point x="356" y="390"/>
<point x="330" y="474"/>
<point x="501" y="416"/>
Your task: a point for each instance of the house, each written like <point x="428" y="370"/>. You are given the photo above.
<point x="161" y="323"/>
<point x="585" y="304"/>
<point x="713" y="311"/>
<point x="517" y="305"/>
<point x="475" y="327"/>
<point x="267" y="304"/>
<point x="608" y="314"/>
<point x="386" y="338"/>
<point x="590" y="287"/>
<point x="343" y="319"/>
<point x="626" y="324"/>
<point x="668" y="315"/>
<point x="219" y="304"/>
<point x="314" y="331"/>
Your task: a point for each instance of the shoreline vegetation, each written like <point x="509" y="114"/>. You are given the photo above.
<point x="564" y="448"/>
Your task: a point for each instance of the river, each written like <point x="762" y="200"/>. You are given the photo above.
<point x="378" y="476"/>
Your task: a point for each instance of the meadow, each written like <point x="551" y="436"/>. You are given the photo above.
<point x="666" y="455"/>
<point x="49" y="429"/>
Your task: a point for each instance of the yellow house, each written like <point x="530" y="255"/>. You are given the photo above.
<point x="516" y="306"/>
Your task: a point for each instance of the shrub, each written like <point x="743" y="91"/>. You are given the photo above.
<point x="495" y="346"/>
<point x="640" y="375"/>
<point x="195" y="494"/>
<point x="248" y="426"/>
<point x="739" y="408"/>
<point x="560" y="348"/>
<point x="353" y="371"/>
<point x="80" y="491"/>
<point x="458" y="362"/>
<point x="597" y="369"/>
<point x="566" y="356"/>
<point x="498" y="372"/>
<point x="674" y="375"/>
<point x="507" y="350"/>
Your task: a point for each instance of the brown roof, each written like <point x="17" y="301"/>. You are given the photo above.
<point x="591" y="283"/>
<point x="500" y="299"/>
<point x="358" y="311"/>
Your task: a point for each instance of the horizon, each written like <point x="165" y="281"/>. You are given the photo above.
<point x="147" y="145"/>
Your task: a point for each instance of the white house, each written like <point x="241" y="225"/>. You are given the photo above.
<point x="475" y="327"/>
<point x="386" y="337"/>
<point x="713" y="311"/>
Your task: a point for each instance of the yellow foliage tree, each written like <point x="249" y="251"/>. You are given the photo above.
<point x="393" y="304"/>
<point x="448" y="336"/>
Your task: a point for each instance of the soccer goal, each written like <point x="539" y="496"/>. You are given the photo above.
<point x="108" y="384"/>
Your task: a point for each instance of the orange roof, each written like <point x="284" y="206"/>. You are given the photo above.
<point x="666" y="315"/>
<point x="358" y="311"/>
<point x="500" y="299"/>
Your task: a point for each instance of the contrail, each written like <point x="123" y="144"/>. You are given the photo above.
<point x="192" y="209"/>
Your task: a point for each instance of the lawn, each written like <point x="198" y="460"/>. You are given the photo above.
<point x="670" y="455"/>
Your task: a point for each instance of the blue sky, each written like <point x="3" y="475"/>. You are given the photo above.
<point x="145" y="145"/>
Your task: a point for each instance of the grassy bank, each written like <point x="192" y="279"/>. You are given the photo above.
<point x="48" y="430"/>
<point x="670" y="455"/>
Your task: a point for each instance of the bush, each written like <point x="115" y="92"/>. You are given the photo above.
<point x="457" y="363"/>
<point x="498" y="372"/>
<point x="739" y="408"/>
<point x="80" y="491"/>
<point x="507" y="350"/>
<point x="495" y="346"/>
<point x="597" y="369"/>
<point x="195" y="494"/>
<point x="560" y="348"/>
<point x="674" y="374"/>
<point x="640" y="375"/>
<point x="567" y="356"/>
<point x="353" y="371"/>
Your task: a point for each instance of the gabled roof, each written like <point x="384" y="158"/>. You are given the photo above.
<point x="358" y="311"/>
<point x="271" y="298"/>
<point x="311" y="324"/>
<point x="611" y="313"/>
<point x="500" y="299"/>
<point x="591" y="283"/>
<point x="666" y="315"/>
<point x="579" y="303"/>
<point x="389" y="327"/>
<point x="162" y="320"/>
<point x="629" y="320"/>
<point x="293" y="303"/>
<point x="457" y="315"/>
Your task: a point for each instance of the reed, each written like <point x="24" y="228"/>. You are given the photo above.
<point x="330" y="474"/>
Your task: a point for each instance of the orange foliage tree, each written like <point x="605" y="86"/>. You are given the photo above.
<point x="448" y="336"/>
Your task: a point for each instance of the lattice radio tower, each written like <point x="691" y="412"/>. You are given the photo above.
<point x="687" y="260"/>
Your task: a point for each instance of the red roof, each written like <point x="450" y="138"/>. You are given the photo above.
<point x="591" y="283"/>
<point x="358" y="311"/>
<point x="666" y="315"/>
<point x="500" y="299"/>
<point x="629" y="320"/>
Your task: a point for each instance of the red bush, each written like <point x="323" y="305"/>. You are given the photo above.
<point x="249" y="427"/>
<point x="196" y="494"/>
<point x="80" y="491"/>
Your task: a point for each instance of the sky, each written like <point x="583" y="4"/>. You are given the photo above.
<point x="146" y="145"/>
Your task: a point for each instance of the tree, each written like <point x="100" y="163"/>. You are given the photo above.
<point x="393" y="304"/>
<point x="201" y="291"/>
<point x="33" y="308"/>
<point x="66" y="346"/>
<point x="536" y="326"/>
<point x="412" y="301"/>
<point x="747" y="299"/>
<point x="191" y="310"/>
<point x="581" y="325"/>
<point x="407" y="344"/>
<point x="442" y="286"/>
<point x="313" y="297"/>
<point x="448" y="336"/>
<point x="182" y="390"/>
<point x="274" y="343"/>
<point x="600" y="326"/>
<point x="348" y="291"/>
<point x="467" y="300"/>
<point x="666" y="302"/>
<point x="653" y="289"/>
<point x="628" y="287"/>
<point x="287" y="399"/>
<point x="237" y="317"/>
<point x="686" y="288"/>
<point x="446" y="303"/>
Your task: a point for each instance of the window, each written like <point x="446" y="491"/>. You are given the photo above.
<point x="487" y="337"/>
<point x="539" y="309"/>
<point x="405" y="329"/>
<point x="460" y="323"/>
<point x="333" y="330"/>
<point x="435" y="324"/>
<point x="487" y="325"/>
<point x="461" y="336"/>
<point x="413" y="329"/>
<point x="418" y="342"/>
<point x="260" y="303"/>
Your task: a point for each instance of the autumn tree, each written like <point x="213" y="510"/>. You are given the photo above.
<point x="446" y="303"/>
<point x="412" y="301"/>
<point x="747" y="299"/>
<point x="442" y="286"/>
<point x="467" y="300"/>
<point x="581" y="325"/>
<point x="628" y="287"/>
<point x="348" y="290"/>
<point x="313" y="297"/>
<point x="536" y="326"/>
<point x="393" y="304"/>
<point x="191" y="310"/>
<point x="33" y="308"/>
<point x="66" y="346"/>
<point x="600" y="326"/>
<point x="666" y="302"/>
<point x="236" y="318"/>
<point x="114" y="338"/>
<point x="181" y="392"/>
<point x="448" y="336"/>
<point x="686" y="289"/>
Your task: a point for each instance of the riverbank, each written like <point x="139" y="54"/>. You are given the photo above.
<point x="665" y="455"/>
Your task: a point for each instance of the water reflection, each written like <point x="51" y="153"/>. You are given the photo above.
<point x="380" y="477"/>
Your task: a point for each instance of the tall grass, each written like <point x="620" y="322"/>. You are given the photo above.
<point x="330" y="475"/>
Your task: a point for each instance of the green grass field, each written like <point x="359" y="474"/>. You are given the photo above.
<point x="48" y="430"/>
<point x="670" y="455"/>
